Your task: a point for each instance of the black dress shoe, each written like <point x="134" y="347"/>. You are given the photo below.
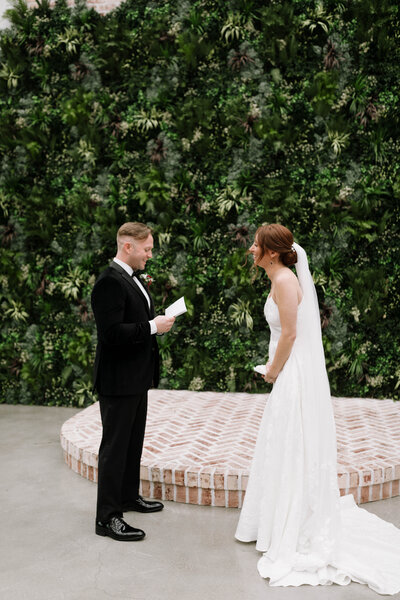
<point x="144" y="506"/>
<point x="117" y="529"/>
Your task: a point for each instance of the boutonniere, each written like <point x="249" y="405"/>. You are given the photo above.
<point x="147" y="279"/>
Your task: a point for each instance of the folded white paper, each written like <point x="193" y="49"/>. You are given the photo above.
<point x="262" y="369"/>
<point x="176" y="309"/>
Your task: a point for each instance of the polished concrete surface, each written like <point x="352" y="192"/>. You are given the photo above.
<point x="48" y="549"/>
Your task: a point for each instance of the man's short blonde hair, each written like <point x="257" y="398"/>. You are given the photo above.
<point x="138" y="231"/>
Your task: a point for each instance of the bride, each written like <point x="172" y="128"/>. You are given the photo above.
<point x="292" y="507"/>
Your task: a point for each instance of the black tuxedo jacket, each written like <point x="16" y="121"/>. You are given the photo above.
<point x="127" y="359"/>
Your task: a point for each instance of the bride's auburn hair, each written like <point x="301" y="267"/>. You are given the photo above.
<point x="279" y="239"/>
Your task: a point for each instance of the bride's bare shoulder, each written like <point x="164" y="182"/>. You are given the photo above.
<point x="286" y="276"/>
<point x="286" y="281"/>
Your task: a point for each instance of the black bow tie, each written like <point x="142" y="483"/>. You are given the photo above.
<point x="135" y="273"/>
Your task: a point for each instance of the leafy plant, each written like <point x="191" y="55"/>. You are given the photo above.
<point x="203" y="119"/>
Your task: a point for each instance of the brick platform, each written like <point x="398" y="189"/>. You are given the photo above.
<point x="198" y="446"/>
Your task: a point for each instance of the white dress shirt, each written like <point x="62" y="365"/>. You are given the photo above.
<point x="129" y="270"/>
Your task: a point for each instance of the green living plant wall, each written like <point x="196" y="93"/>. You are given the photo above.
<point x="204" y="119"/>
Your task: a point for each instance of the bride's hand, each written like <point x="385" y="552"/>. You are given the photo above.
<point x="270" y="376"/>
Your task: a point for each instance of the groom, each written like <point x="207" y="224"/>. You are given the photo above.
<point x="126" y="366"/>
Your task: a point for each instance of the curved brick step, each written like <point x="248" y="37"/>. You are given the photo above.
<point x="198" y="446"/>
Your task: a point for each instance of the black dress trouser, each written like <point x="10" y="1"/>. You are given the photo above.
<point x="124" y="421"/>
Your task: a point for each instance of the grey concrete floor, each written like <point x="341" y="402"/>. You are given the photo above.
<point x="48" y="549"/>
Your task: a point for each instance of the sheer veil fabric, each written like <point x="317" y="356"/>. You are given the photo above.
<point x="292" y="508"/>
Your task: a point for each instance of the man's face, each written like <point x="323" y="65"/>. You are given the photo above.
<point x="140" y="252"/>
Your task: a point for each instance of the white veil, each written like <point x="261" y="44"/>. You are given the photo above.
<point x="310" y="308"/>
<point x="317" y="413"/>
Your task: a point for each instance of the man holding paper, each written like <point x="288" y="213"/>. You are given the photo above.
<point x="126" y="366"/>
<point x="176" y="309"/>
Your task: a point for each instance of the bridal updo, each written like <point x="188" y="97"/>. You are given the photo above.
<point x="278" y="238"/>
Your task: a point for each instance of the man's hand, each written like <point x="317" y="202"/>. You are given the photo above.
<point x="164" y="324"/>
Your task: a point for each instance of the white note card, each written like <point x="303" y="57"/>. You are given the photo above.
<point x="177" y="308"/>
<point x="262" y="369"/>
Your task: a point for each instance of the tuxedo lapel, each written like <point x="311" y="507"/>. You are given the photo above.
<point x="133" y="284"/>
<point x="150" y="297"/>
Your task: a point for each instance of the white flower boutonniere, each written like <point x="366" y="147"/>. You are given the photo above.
<point x="147" y="279"/>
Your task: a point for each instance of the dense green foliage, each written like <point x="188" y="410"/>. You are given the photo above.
<point x="203" y="118"/>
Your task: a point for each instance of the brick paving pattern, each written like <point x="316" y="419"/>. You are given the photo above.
<point x="198" y="446"/>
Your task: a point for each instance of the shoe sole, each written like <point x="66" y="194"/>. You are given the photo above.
<point x="100" y="531"/>
<point x="153" y="510"/>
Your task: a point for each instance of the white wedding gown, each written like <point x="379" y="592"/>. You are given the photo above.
<point x="292" y="507"/>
